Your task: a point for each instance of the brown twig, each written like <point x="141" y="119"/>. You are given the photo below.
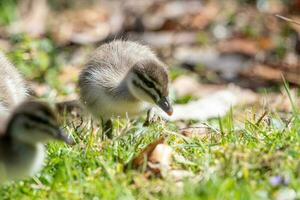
<point x="287" y="19"/>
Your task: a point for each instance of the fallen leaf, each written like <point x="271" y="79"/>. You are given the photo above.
<point x="32" y="18"/>
<point x="245" y="46"/>
<point x="145" y="153"/>
<point x="92" y="25"/>
<point x="159" y="16"/>
<point x="161" y="155"/>
<point x="204" y="17"/>
<point x="265" y="43"/>
<point x="195" y="132"/>
<point x="165" y="38"/>
<point x="228" y="64"/>
<point x="272" y="73"/>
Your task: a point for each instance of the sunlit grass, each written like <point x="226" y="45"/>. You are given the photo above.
<point x="229" y="162"/>
<point x="235" y="158"/>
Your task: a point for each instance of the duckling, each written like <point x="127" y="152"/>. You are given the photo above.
<point x="12" y="87"/>
<point x="22" y="152"/>
<point x="123" y="79"/>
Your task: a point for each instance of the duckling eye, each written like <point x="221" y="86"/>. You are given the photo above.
<point x="149" y="84"/>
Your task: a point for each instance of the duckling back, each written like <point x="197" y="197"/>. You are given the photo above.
<point x="110" y="62"/>
<point x="12" y="86"/>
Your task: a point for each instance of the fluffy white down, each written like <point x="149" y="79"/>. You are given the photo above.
<point x="107" y="107"/>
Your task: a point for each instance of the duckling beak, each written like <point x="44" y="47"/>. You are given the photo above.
<point x="61" y="135"/>
<point x="165" y="105"/>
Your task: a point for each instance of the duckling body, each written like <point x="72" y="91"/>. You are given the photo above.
<point x="19" y="160"/>
<point x="106" y="83"/>
<point x="103" y="83"/>
<point x="12" y="86"/>
<point x="22" y="152"/>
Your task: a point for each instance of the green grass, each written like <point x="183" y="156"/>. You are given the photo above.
<point x="236" y="159"/>
<point x="229" y="163"/>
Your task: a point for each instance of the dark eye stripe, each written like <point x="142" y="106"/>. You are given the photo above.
<point x="39" y="120"/>
<point x="46" y="111"/>
<point x="145" y="90"/>
<point x="149" y="83"/>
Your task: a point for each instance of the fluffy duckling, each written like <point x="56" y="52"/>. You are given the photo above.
<point x="12" y="87"/>
<point x="123" y="78"/>
<point x="21" y="145"/>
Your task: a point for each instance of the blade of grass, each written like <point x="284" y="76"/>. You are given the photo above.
<point x="287" y="19"/>
<point x="287" y="89"/>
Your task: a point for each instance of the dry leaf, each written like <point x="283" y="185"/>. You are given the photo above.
<point x="32" y="18"/>
<point x="161" y="155"/>
<point x="204" y="17"/>
<point x="228" y="64"/>
<point x="245" y="46"/>
<point x="91" y="26"/>
<point x="157" y="155"/>
<point x="146" y="152"/>
<point x="265" y="43"/>
<point x="165" y="38"/>
<point x="269" y="73"/>
<point x="159" y="16"/>
<point x="195" y="132"/>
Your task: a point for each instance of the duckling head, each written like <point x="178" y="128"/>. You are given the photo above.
<point x="148" y="81"/>
<point x="35" y="122"/>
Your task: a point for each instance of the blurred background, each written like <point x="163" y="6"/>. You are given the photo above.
<point x="208" y="45"/>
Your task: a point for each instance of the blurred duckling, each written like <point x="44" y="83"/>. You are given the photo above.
<point x="123" y="79"/>
<point x="12" y="87"/>
<point x="22" y="152"/>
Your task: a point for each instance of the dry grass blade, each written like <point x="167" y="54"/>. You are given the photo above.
<point x="261" y="118"/>
<point x="287" y="19"/>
